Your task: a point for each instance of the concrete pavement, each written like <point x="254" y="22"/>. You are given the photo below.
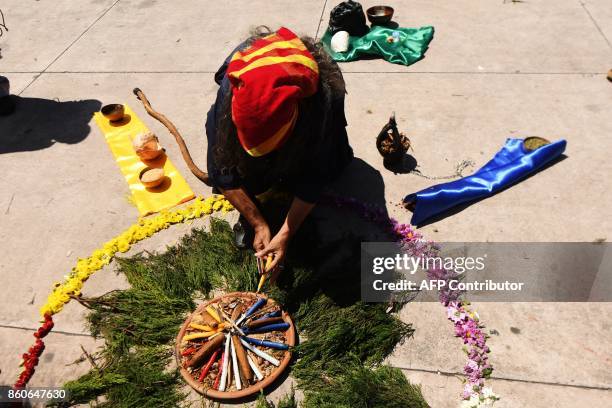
<point x="494" y="70"/>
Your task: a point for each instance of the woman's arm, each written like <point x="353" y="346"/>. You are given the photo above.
<point x="243" y="203"/>
<point x="278" y="245"/>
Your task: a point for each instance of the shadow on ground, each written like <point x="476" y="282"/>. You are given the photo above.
<point x="404" y="166"/>
<point x="362" y="182"/>
<point x="40" y="123"/>
<point x="330" y="239"/>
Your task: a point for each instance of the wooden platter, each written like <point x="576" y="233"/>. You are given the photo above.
<point x="240" y="303"/>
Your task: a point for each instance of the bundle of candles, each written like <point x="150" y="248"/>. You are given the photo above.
<point x="235" y="345"/>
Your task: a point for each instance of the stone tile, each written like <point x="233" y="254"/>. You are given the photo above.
<point x="433" y="345"/>
<point x="55" y="366"/>
<point x="62" y="201"/>
<point x="198" y="37"/>
<point x="440" y="391"/>
<point x="541" y="342"/>
<point x="40" y="31"/>
<point x="601" y="12"/>
<point x="458" y="117"/>
<point x="443" y="391"/>
<point x="535" y="342"/>
<point x="19" y="81"/>
<point x="497" y="36"/>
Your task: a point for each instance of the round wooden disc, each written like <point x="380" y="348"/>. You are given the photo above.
<point x="253" y="389"/>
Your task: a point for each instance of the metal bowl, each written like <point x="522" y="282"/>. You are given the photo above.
<point x="380" y="15"/>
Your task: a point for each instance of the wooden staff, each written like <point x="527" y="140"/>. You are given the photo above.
<point x="202" y="175"/>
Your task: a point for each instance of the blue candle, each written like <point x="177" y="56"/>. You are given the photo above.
<point x="260" y="302"/>
<point x="272" y="314"/>
<point x="266" y="343"/>
<point x="266" y="316"/>
<point x="268" y="328"/>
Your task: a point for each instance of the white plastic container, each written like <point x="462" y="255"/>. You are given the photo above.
<point x="340" y="41"/>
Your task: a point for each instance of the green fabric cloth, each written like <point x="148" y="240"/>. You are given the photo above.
<point x="411" y="47"/>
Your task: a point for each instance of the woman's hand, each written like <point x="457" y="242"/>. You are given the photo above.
<point x="277" y="248"/>
<point x="262" y="237"/>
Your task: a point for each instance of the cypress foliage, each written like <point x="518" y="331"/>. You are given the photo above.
<point x="288" y="401"/>
<point x="337" y="365"/>
<point x="353" y="385"/>
<point x="136" y="379"/>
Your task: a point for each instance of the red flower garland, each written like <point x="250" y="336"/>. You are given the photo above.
<point x="30" y="359"/>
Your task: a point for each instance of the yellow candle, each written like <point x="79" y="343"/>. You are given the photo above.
<point x="213" y="313"/>
<point x="202" y="335"/>
<point x="201" y="327"/>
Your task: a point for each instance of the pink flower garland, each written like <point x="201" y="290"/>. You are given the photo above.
<point x="467" y="323"/>
<point x="477" y="369"/>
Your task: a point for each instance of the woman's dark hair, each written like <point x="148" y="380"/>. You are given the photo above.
<point x="229" y="154"/>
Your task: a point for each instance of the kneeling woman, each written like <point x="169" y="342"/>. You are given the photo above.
<point x="278" y="120"/>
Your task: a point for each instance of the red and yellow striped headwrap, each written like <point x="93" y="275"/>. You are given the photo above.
<point x="268" y="79"/>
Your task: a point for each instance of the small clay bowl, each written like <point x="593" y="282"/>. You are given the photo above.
<point x="380" y="15"/>
<point x="151" y="177"/>
<point x="150" y="154"/>
<point x="113" y="112"/>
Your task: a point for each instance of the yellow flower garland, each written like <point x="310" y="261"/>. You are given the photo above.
<point x="144" y="228"/>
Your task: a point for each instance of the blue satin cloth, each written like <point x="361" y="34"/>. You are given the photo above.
<point x="509" y="166"/>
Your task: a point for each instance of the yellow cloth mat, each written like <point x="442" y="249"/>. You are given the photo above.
<point x="174" y="190"/>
